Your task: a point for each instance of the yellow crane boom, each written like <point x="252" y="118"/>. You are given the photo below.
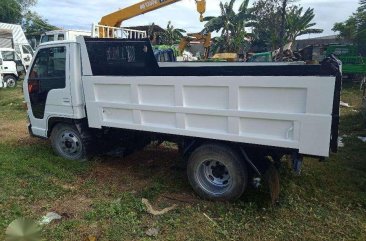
<point x="115" y="19"/>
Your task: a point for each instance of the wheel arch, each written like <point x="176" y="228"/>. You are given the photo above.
<point x="12" y="75"/>
<point x="247" y="152"/>
<point x="53" y="121"/>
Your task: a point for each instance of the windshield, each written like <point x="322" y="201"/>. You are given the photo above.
<point x="8" y="55"/>
<point x="47" y="38"/>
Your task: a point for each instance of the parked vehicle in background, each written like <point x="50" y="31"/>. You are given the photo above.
<point x="59" y="35"/>
<point x="11" y="66"/>
<point x="16" y="40"/>
<point x="231" y="121"/>
<point x="353" y="64"/>
<point x="261" y="57"/>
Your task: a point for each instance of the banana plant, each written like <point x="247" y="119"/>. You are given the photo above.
<point x="299" y="23"/>
<point x="232" y="26"/>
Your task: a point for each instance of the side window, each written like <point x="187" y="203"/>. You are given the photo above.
<point x="61" y="37"/>
<point x="44" y="39"/>
<point x="50" y="63"/>
<point x="47" y="73"/>
<point x="47" y="38"/>
<point x="25" y="50"/>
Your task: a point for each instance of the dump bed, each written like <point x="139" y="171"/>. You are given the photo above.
<point x="280" y="105"/>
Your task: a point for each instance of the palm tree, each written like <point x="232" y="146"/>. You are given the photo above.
<point x="299" y="23"/>
<point x="232" y="26"/>
<point x="172" y="35"/>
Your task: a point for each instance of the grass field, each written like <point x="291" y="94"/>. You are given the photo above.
<point x="103" y="197"/>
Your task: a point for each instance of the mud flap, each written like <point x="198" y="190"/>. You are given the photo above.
<point x="272" y="177"/>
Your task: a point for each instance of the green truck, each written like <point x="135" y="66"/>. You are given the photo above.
<point x="352" y="62"/>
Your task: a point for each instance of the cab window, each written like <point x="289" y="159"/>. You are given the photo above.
<point x="50" y="62"/>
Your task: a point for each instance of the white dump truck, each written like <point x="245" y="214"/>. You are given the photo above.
<point x="229" y="119"/>
<point x="16" y="39"/>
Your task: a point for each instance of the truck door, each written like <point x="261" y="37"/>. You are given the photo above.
<point x="26" y="53"/>
<point x="9" y="62"/>
<point x="47" y="88"/>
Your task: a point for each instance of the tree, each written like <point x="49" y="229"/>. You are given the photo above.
<point x="26" y="4"/>
<point x="10" y="11"/>
<point x="347" y="30"/>
<point x="362" y="5"/>
<point x="172" y="35"/>
<point x="280" y="22"/>
<point x="232" y="26"/>
<point x="299" y="23"/>
<point x="267" y="27"/>
<point x="283" y="26"/>
<point x="33" y="23"/>
<point x="354" y="28"/>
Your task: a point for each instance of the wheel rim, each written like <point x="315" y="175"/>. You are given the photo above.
<point x="11" y="83"/>
<point x="214" y="177"/>
<point x="70" y="144"/>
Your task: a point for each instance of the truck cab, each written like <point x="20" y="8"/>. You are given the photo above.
<point x="12" y="66"/>
<point x="48" y="86"/>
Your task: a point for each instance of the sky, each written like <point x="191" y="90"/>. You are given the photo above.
<point x="76" y="14"/>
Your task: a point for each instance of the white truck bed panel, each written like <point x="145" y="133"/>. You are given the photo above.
<point x="284" y="111"/>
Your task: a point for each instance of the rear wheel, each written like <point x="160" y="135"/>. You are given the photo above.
<point x="10" y="81"/>
<point x="216" y="172"/>
<point x="67" y="142"/>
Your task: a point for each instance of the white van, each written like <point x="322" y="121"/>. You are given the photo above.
<point x="59" y="35"/>
<point x="11" y="66"/>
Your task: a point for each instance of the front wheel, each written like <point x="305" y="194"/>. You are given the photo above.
<point x="10" y="81"/>
<point x="67" y="142"/>
<point x="216" y="172"/>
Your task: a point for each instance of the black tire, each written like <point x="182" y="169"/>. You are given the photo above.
<point x="10" y="81"/>
<point x="216" y="172"/>
<point x="68" y="143"/>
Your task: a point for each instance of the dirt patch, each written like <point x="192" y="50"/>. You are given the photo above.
<point x="118" y="177"/>
<point x="73" y="206"/>
<point x="16" y="133"/>
<point x="70" y="206"/>
<point x="132" y="173"/>
<point x="66" y="186"/>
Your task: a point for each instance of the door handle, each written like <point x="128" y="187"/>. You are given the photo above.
<point x="66" y="100"/>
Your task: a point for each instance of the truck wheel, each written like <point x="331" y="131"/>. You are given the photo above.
<point x="67" y="142"/>
<point x="216" y="172"/>
<point x="10" y="81"/>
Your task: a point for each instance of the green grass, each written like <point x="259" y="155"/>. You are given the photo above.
<point x="103" y="197"/>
